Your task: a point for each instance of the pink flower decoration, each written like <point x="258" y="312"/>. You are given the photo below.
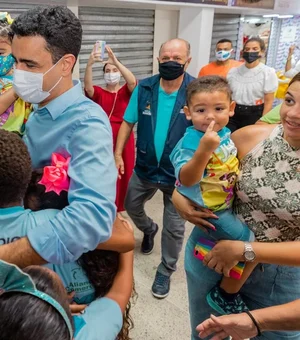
<point x="55" y="177"/>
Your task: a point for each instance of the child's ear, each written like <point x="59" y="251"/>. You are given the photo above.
<point x="232" y="108"/>
<point x="187" y="113"/>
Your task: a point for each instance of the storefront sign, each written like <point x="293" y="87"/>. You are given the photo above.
<point x="266" y="4"/>
<point x="288" y="34"/>
<point x="206" y="2"/>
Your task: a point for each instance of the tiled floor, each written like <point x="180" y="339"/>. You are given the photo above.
<point x="159" y="319"/>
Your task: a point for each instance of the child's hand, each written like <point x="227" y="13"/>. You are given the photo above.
<point x="210" y="141"/>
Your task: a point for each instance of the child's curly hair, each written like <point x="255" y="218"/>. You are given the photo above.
<point x="15" y="168"/>
<point x="100" y="266"/>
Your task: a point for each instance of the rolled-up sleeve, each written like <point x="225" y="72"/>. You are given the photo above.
<point x="88" y="219"/>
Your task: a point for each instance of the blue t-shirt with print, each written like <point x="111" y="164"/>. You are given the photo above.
<point x="165" y="108"/>
<point x="15" y="223"/>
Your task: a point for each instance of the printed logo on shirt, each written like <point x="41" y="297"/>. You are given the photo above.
<point x="8" y="240"/>
<point x="182" y="109"/>
<point x="147" y="111"/>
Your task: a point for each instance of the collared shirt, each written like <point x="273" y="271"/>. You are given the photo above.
<point x="72" y="125"/>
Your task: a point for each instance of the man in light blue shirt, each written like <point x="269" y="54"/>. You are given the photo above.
<point x="46" y="43"/>
<point x="157" y="105"/>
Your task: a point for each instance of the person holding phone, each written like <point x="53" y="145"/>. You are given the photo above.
<point x="113" y="98"/>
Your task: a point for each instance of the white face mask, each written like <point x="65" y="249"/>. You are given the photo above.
<point x="223" y="55"/>
<point x="29" y="85"/>
<point x="112" y="78"/>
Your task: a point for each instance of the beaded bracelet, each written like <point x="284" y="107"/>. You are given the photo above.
<point x="254" y="321"/>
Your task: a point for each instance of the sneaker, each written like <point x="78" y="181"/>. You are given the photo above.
<point x="148" y="242"/>
<point x="161" y="286"/>
<point x="216" y="301"/>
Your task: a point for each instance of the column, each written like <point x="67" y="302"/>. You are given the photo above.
<point x="196" y="26"/>
<point x="76" y="73"/>
<point x="165" y="28"/>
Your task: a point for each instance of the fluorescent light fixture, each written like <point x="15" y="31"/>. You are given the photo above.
<point x="285" y="16"/>
<point x="271" y="16"/>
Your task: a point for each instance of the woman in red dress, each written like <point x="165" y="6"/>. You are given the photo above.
<point x="114" y="99"/>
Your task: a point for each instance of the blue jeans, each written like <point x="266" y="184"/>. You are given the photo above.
<point x="229" y="227"/>
<point x="268" y="285"/>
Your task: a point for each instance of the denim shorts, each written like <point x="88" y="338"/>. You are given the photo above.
<point x="268" y="285"/>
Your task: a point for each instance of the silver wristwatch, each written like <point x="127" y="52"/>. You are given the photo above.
<point x="249" y="253"/>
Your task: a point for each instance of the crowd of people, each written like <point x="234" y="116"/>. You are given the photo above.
<point x="224" y="158"/>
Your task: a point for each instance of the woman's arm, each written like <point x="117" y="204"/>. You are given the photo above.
<point x="122" y="287"/>
<point x="247" y="138"/>
<point x="88" y="76"/>
<point x="122" y="238"/>
<point x="240" y="326"/>
<point x="6" y="99"/>
<point x="288" y="64"/>
<point x="226" y="254"/>
<point x="127" y="74"/>
<point x="268" y="102"/>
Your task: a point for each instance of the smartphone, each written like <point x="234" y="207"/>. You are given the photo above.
<point x="204" y="246"/>
<point x="100" y="47"/>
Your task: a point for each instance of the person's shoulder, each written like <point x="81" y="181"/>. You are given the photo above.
<point x="208" y="68"/>
<point x="85" y="109"/>
<point x="150" y="81"/>
<point x="267" y="69"/>
<point x="237" y="62"/>
<point x="44" y="216"/>
<point x="246" y="138"/>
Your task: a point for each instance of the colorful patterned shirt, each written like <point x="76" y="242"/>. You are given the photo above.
<point x="216" y="188"/>
<point x="15" y="117"/>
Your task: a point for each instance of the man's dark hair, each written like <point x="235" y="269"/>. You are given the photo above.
<point x="207" y="84"/>
<point x="15" y="168"/>
<point x="222" y="41"/>
<point x="58" y="25"/>
<point x="26" y="317"/>
<point x="261" y="43"/>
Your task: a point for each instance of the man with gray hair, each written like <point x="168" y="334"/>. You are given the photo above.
<point x="157" y="106"/>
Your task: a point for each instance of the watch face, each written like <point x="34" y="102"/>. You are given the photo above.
<point x="250" y="255"/>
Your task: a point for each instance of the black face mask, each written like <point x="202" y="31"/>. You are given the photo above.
<point x="251" y="57"/>
<point x="171" y="70"/>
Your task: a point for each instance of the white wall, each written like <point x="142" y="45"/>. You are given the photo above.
<point x="195" y="26"/>
<point x="76" y="75"/>
<point x="165" y="28"/>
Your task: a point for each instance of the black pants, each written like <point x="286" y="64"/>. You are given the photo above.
<point x="244" y="116"/>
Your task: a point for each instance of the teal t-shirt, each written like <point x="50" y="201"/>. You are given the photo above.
<point x="15" y="223"/>
<point x="165" y="108"/>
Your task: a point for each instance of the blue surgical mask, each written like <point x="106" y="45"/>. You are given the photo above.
<point x="6" y="64"/>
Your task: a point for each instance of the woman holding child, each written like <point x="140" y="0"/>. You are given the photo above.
<point x="268" y="198"/>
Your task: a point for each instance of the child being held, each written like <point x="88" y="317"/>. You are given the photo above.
<point x="92" y="277"/>
<point x="14" y="112"/>
<point x="206" y="169"/>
